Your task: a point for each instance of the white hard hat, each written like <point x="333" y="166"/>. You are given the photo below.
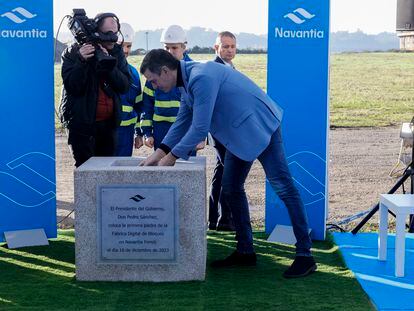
<point x="128" y="32"/>
<point x="173" y="34"/>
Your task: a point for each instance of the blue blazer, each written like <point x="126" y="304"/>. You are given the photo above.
<point x="226" y="103"/>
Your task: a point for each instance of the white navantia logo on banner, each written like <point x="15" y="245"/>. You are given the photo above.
<point x="18" y="20"/>
<point x="20" y="16"/>
<point x="299" y="16"/>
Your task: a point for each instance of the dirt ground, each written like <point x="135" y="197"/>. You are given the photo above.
<point x="359" y="162"/>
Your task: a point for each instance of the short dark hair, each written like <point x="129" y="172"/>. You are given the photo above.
<point x="224" y="34"/>
<point x="156" y="59"/>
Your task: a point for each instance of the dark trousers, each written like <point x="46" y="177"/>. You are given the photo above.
<point x="99" y="141"/>
<point x="277" y="172"/>
<point x="125" y="141"/>
<point x="219" y="211"/>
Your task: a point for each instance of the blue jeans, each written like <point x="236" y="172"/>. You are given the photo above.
<point x="277" y="172"/>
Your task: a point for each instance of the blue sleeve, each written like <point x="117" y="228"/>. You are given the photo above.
<point x="148" y="102"/>
<point x="204" y="90"/>
<point x="136" y="99"/>
<point x="179" y="127"/>
<point x="137" y="95"/>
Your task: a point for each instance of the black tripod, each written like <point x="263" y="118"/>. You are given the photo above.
<point x="408" y="173"/>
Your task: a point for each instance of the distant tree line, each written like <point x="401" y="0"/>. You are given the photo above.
<point x="340" y="42"/>
<point x="209" y="50"/>
<point x="138" y="52"/>
<point x="195" y="50"/>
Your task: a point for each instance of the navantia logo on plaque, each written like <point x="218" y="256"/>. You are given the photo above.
<point x="137" y="223"/>
<point x="299" y="16"/>
<point x="137" y="198"/>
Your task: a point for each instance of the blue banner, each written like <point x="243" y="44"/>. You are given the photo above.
<point x="27" y="158"/>
<point x="298" y="78"/>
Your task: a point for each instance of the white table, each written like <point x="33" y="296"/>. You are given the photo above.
<point x="402" y="205"/>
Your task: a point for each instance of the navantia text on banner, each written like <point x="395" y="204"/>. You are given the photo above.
<point x="27" y="159"/>
<point x="298" y="78"/>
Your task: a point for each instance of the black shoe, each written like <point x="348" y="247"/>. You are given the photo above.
<point x="236" y="259"/>
<point x="301" y="266"/>
<point x="225" y="227"/>
<point x="212" y="226"/>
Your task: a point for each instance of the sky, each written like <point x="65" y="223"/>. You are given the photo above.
<point x="370" y="16"/>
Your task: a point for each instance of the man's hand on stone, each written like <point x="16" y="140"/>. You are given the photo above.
<point x="168" y="160"/>
<point x="149" y="141"/>
<point x="153" y="159"/>
<point x="86" y="51"/>
<point x="138" y="143"/>
<point x="201" y="145"/>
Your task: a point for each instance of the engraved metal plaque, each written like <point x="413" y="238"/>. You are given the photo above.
<point x="137" y="224"/>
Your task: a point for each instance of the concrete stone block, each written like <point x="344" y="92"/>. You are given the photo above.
<point x="140" y="223"/>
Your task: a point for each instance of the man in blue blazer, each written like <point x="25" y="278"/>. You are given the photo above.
<point x="226" y="103"/>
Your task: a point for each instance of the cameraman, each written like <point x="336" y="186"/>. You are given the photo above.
<point x="90" y="107"/>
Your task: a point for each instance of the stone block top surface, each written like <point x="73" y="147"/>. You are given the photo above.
<point x="131" y="164"/>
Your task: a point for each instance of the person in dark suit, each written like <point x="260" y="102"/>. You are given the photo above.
<point x="225" y="48"/>
<point x="219" y="216"/>
<point x="226" y="103"/>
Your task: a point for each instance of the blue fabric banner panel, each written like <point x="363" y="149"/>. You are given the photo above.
<point x="27" y="159"/>
<point x="297" y="79"/>
<point x="377" y="278"/>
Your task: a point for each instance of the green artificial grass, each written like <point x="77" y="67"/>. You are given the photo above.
<point x="43" y="278"/>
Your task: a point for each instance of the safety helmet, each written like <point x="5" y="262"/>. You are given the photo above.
<point x="128" y="32"/>
<point x="173" y="34"/>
